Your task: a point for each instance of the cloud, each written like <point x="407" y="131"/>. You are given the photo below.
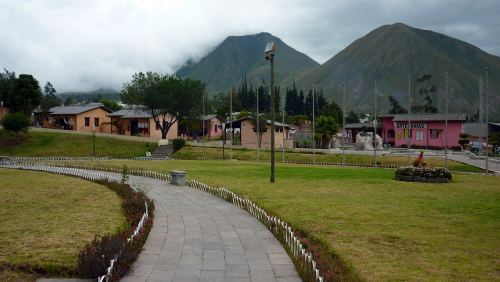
<point x="83" y="45"/>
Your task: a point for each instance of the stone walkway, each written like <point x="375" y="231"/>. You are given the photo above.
<point x="199" y="237"/>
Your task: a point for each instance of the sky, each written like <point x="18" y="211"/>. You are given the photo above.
<point x="82" y="45"/>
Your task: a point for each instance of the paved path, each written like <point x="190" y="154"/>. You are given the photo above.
<point x="481" y="163"/>
<point x="199" y="237"/>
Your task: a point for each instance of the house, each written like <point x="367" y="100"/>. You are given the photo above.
<point x="246" y="134"/>
<point x="137" y="122"/>
<point x="3" y="111"/>
<point x="426" y="130"/>
<point x="212" y="125"/>
<point x="88" y="117"/>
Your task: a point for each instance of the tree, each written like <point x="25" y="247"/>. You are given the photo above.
<point x="7" y="85"/>
<point x="49" y="99"/>
<point x="299" y="120"/>
<point x="352" y="117"/>
<point x="16" y="122"/>
<point x="326" y="127"/>
<point x="396" y="108"/>
<point x="262" y="127"/>
<point x="27" y="94"/>
<point x="332" y="110"/>
<point x="110" y="104"/>
<point x="426" y="89"/>
<point x="464" y="139"/>
<point x="167" y="98"/>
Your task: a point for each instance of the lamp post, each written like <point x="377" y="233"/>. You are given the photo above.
<point x="93" y="138"/>
<point x="375" y="124"/>
<point x="283" y="122"/>
<point x="487" y="120"/>
<point x="344" y="132"/>
<point x="269" y="51"/>
<point x="313" y="137"/>
<point x="446" y="123"/>
<point x="409" y="113"/>
<point x="258" y="132"/>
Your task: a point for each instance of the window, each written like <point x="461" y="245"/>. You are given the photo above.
<point x="87" y="121"/>
<point x="215" y="128"/>
<point x="420" y="136"/>
<point x="390" y="133"/>
<point x="434" y="133"/>
<point x="157" y="126"/>
<point x="96" y="122"/>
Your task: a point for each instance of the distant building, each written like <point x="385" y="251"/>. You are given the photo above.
<point x="246" y="134"/>
<point x="3" y="111"/>
<point x="137" y="122"/>
<point x="213" y="125"/>
<point x="426" y="130"/>
<point x="78" y="118"/>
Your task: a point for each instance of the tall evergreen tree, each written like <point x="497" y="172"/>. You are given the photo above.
<point x="396" y="108"/>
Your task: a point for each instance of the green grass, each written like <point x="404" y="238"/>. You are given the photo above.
<point x="193" y="153"/>
<point x="45" y="218"/>
<point x="40" y="144"/>
<point x="380" y="228"/>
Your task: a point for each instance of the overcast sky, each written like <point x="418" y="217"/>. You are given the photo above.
<point x="87" y="44"/>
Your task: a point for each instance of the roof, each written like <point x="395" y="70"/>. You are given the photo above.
<point x="130" y="113"/>
<point x="209" y="117"/>
<point x="359" y="125"/>
<point x="473" y="128"/>
<point x="279" y="124"/>
<point x="430" y="117"/>
<point x="75" y="110"/>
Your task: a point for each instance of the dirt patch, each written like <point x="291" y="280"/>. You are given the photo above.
<point x="7" y="140"/>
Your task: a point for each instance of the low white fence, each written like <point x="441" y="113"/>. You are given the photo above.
<point x="88" y="175"/>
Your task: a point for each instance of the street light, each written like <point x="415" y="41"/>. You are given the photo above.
<point x="93" y="138"/>
<point x="269" y="51"/>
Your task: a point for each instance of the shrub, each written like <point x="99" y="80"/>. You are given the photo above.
<point x="94" y="258"/>
<point x="178" y="144"/>
<point x="16" y="122"/>
<point x="438" y="172"/>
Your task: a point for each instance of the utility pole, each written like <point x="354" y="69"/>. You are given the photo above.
<point x="446" y="123"/>
<point x="481" y="126"/>
<point x="375" y="124"/>
<point x="409" y="114"/>
<point x="231" y="120"/>
<point x="203" y="121"/>
<point x="258" y="131"/>
<point x="487" y="120"/>
<point x="313" y="137"/>
<point x="344" y="132"/>
<point x="283" y="122"/>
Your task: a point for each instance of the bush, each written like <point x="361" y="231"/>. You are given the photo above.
<point x="94" y="258"/>
<point x="178" y="144"/>
<point x="16" y="122"/>
<point x="425" y="172"/>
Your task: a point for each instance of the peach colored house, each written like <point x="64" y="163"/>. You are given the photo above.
<point x="137" y="122"/>
<point x="212" y="126"/>
<point x="249" y="137"/>
<point x="79" y="118"/>
<point x="3" y="112"/>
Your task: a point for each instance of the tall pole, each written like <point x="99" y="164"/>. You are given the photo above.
<point x="258" y="129"/>
<point x="481" y="137"/>
<point x="313" y="137"/>
<point x="231" y="120"/>
<point x="446" y="123"/>
<point x="283" y="122"/>
<point x="344" y="132"/>
<point x="272" y="120"/>
<point x="93" y="137"/>
<point x="375" y="124"/>
<point x="487" y="120"/>
<point x="203" y="121"/>
<point x="409" y="115"/>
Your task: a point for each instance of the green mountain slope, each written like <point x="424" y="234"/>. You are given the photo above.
<point x="238" y="56"/>
<point x="390" y="53"/>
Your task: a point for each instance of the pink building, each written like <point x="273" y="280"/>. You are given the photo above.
<point x="426" y="130"/>
<point x="213" y="127"/>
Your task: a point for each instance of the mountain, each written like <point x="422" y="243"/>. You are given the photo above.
<point x="238" y="56"/>
<point x="390" y="53"/>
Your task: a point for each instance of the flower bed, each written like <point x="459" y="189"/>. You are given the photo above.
<point x="423" y="174"/>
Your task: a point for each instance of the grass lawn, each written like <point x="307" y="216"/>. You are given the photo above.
<point x="193" y="153"/>
<point x="41" y="144"/>
<point x="45" y="218"/>
<point x="380" y="228"/>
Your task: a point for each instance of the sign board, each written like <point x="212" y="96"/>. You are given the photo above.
<point x="412" y="125"/>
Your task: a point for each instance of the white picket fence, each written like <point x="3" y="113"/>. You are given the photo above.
<point x="88" y="175"/>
